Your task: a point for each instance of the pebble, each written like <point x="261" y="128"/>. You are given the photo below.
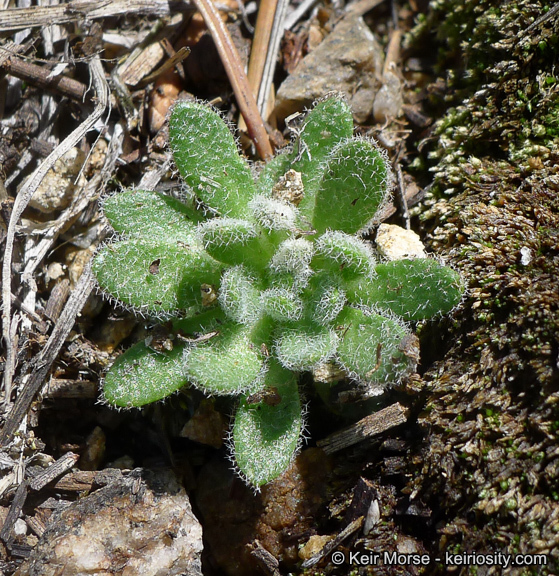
<point x="59" y="186"/>
<point x="139" y="525"/>
<point x="394" y="243"/>
<point x="349" y="60"/>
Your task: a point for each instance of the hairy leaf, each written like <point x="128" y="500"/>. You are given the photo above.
<point x="208" y="160"/>
<point x="413" y="289"/>
<point x="267" y="428"/>
<point x="143" y="375"/>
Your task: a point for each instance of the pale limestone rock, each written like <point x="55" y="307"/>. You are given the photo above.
<point x="140" y="525"/>
<point x="59" y="186"/>
<point x="394" y="243"/>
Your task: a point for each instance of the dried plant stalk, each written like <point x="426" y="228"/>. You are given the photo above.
<point x="237" y="76"/>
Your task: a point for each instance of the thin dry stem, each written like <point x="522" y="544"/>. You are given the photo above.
<point x="237" y="76"/>
<point x="21" y="202"/>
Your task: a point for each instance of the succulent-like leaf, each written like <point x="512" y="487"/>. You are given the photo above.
<point x="156" y="275"/>
<point x="282" y="305"/>
<point x="413" y="289"/>
<point x="272" y="214"/>
<point x="293" y="258"/>
<point x="228" y="363"/>
<point x="235" y="241"/>
<point x="344" y="255"/>
<point x="239" y="296"/>
<point x="352" y="188"/>
<point x="304" y="347"/>
<point x="208" y="160"/>
<point x="267" y="428"/>
<point x="142" y="375"/>
<point x="327" y="124"/>
<point x="324" y="298"/>
<point x="141" y="213"/>
<point x="372" y="347"/>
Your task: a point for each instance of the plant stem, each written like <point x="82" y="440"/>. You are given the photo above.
<point x="237" y="76"/>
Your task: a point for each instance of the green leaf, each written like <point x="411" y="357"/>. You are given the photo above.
<point x="236" y="241"/>
<point x="304" y="347"/>
<point x="266" y="433"/>
<point x="413" y="289"/>
<point x="343" y="255"/>
<point x="282" y="305"/>
<point x="140" y="213"/>
<point x="156" y="275"/>
<point x="142" y="375"/>
<point x="327" y="124"/>
<point x="372" y="347"/>
<point x="239" y="296"/>
<point x="208" y="159"/>
<point x="353" y="187"/>
<point x="228" y="363"/>
<point x="324" y="299"/>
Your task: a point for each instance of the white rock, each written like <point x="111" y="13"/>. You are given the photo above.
<point x="20" y="527"/>
<point x="139" y="525"/>
<point x="525" y="256"/>
<point x="394" y="243"/>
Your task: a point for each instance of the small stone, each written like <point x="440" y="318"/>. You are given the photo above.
<point x="59" y="186"/>
<point x="289" y="188"/>
<point x="388" y="101"/>
<point x="55" y="271"/>
<point x="140" y="525"/>
<point x="394" y="243"/>
<point x="207" y="426"/>
<point x="20" y="527"/>
<point x="313" y="546"/>
<point x="349" y="60"/>
<point x="525" y="256"/>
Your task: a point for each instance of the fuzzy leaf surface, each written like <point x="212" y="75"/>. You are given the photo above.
<point x="229" y="363"/>
<point x="327" y="124"/>
<point x="140" y="213"/>
<point x="371" y="346"/>
<point x="235" y="241"/>
<point x="413" y="289"/>
<point x="208" y="160"/>
<point x="142" y="375"/>
<point x="304" y="347"/>
<point x="157" y="274"/>
<point x="344" y="255"/>
<point x="265" y="437"/>
<point x="352" y="188"/>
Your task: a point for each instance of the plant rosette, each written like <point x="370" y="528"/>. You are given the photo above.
<point x="263" y="278"/>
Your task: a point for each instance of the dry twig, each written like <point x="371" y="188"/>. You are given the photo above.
<point x="236" y="74"/>
<point x="21" y="202"/>
<point x="21" y="18"/>
<point x="371" y="425"/>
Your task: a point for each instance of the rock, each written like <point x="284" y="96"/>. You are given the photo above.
<point x="140" y="525"/>
<point x="388" y="100"/>
<point x="349" y="60"/>
<point x="313" y="546"/>
<point x="394" y="243"/>
<point x="59" y="186"/>
<point x="206" y="426"/>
